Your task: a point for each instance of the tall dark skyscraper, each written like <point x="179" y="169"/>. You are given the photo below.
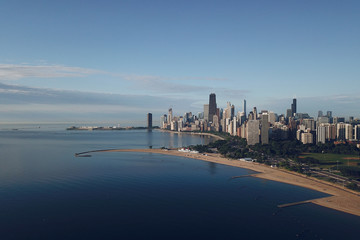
<point x="293" y="107"/>
<point x="149" y="120"/>
<point x="245" y="107"/>
<point x="264" y="130"/>
<point x="212" y="106"/>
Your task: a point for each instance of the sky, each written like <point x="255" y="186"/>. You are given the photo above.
<point x="115" y="61"/>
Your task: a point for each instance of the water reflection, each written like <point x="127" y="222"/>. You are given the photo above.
<point x="180" y="137"/>
<point x="212" y="168"/>
<point x="149" y="136"/>
<point x="207" y="140"/>
<point x="171" y="140"/>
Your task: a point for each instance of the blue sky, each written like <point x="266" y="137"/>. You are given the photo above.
<point x="114" y="61"/>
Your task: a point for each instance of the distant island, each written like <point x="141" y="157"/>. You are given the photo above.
<point x="91" y="128"/>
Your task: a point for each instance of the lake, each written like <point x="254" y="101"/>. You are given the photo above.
<point x="47" y="193"/>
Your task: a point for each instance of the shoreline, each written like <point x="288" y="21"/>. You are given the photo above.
<point x="344" y="200"/>
<point x="194" y="133"/>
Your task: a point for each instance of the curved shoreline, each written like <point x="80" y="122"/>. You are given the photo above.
<point x="194" y="133"/>
<point x="344" y="200"/>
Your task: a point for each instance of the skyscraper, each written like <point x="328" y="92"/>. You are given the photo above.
<point x="170" y="115"/>
<point x="340" y="131"/>
<point x="309" y="123"/>
<point x="163" y="120"/>
<point x="321" y="133"/>
<point x="329" y="114"/>
<point x="252" y="132"/>
<point x="229" y="111"/>
<point x="357" y="132"/>
<point x="212" y="106"/>
<point x="245" y="108"/>
<point x="293" y="107"/>
<point x="288" y="113"/>
<point x="264" y="133"/>
<point x="149" y="120"/>
<point x="206" y="112"/>
<point x="349" y="135"/>
<point x="320" y="113"/>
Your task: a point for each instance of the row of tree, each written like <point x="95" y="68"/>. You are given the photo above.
<point x="235" y="147"/>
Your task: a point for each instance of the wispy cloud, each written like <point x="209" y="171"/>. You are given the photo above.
<point x="183" y="86"/>
<point x="138" y="83"/>
<point x="29" y="97"/>
<point x="138" y="93"/>
<point x="26" y="70"/>
<point x="146" y="78"/>
<point x="19" y="71"/>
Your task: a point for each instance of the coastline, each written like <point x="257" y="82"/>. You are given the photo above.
<point x="195" y="133"/>
<point x="344" y="200"/>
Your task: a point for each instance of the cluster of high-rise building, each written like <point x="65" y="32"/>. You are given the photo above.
<point x="259" y="127"/>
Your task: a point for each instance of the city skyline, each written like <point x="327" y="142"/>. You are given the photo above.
<point x="261" y="126"/>
<point x="73" y="62"/>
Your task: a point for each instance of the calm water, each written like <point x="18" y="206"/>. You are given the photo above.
<point x="47" y="193"/>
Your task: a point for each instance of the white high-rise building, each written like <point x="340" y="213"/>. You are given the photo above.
<point x="349" y="132"/>
<point x="227" y="123"/>
<point x="321" y="133"/>
<point x="228" y="111"/>
<point x="230" y="127"/>
<point x="234" y="126"/>
<point x="174" y="125"/>
<point x="306" y="138"/>
<point x="170" y="116"/>
<point x="180" y="125"/>
<point x="206" y="112"/>
<point x="298" y="134"/>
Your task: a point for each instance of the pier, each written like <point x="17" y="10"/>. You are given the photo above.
<point x="242" y="176"/>
<point x="293" y="204"/>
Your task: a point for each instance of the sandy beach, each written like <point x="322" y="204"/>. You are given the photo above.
<point x="341" y="199"/>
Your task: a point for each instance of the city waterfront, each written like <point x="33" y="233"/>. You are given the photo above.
<point x="46" y="192"/>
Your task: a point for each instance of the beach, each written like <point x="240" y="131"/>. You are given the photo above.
<point x="341" y="199"/>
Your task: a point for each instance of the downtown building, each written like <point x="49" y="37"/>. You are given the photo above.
<point x="252" y="132"/>
<point x="259" y="127"/>
<point x="212" y="107"/>
<point x="149" y="120"/>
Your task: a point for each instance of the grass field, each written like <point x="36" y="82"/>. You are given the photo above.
<point x="329" y="159"/>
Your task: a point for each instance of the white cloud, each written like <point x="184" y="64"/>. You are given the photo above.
<point x="72" y="108"/>
<point x="19" y="71"/>
<point x="138" y="83"/>
<point x="21" y="97"/>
